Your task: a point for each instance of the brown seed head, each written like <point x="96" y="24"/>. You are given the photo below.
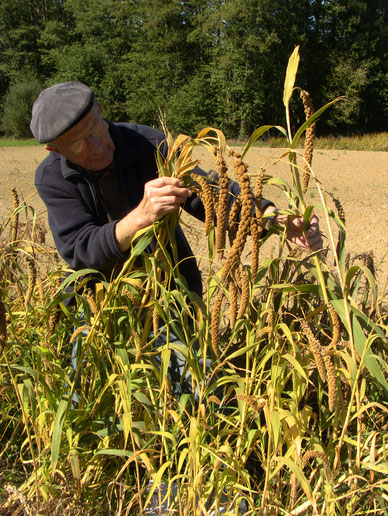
<point x="259" y="198"/>
<point x="3" y="326"/>
<point x="309" y="138"/>
<point x="40" y="291"/>
<point x="78" y="331"/>
<point x="315" y="348"/>
<point x="206" y="195"/>
<point x="53" y="321"/>
<point x="255" y="237"/>
<point x="311" y="454"/>
<point x="256" y="404"/>
<point x="331" y="380"/>
<point x="336" y="325"/>
<point x="339" y="208"/>
<point x="244" y="300"/>
<point x="155" y="320"/>
<point x="15" y="218"/>
<point x="91" y="299"/>
<point x="245" y="222"/>
<point x="31" y="280"/>
<point x="215" y="321"/>
<point x="222" y="205"/>
<point x="233" y="220"/>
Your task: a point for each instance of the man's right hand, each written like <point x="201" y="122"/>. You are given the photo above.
<point x="161" y="196"/>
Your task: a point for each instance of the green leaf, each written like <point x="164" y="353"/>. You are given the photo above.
<point x="25" y="369"/>
<point x="142" y="243"/>
<point x="115" y="452"/>
<point x="350" y="274"/>
<point x="307" y="217"/>
<point x="276" y="427"/>
<point x="361" y="341"/>
<point x="57" y="432"/>
<point x="259" y="132"/>
<point x="299" y="475"/>
<point x="311" y="120"/>
<point x="142" y="398"/>
<point x="289" y="81"/>
<point x="77" y="275"/>
<point x="156" y="481"/>
<point x="296" y="365"/>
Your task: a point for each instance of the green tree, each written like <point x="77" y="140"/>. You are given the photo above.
<point x="17" y="108"/>
<point x="205" y="62"/>
<point x="356" y="32"/>
<point x="161" y="59"/>
<point x="21" y="24"/>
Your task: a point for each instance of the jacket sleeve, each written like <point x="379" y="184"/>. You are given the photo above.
<point x="79" y="237"/>
<point x="194" y="204"/>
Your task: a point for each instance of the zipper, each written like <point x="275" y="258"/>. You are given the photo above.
<point x="95" y="199"/>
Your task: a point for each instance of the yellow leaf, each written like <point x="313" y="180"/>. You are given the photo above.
<point x="289" y="82"/>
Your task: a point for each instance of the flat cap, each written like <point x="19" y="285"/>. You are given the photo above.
<point x="59" y="108"/>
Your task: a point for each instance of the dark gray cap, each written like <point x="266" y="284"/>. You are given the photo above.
<point x="59" y="108"/>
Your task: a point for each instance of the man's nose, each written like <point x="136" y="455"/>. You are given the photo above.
<point x="94" y="144"/>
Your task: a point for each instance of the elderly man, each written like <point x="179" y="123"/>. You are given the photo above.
<point x="100" y="184"/>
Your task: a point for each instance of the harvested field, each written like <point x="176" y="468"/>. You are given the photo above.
<point x="358" y="179"/>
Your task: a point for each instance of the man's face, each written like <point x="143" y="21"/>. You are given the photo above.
<point x="88" y="143"/>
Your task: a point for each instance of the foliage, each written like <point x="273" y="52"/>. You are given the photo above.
<point x="17" y="108"/>
<point x="205" y="62"/>
<point x="288" y="411"/>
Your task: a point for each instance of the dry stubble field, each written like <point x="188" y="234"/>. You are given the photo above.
<point x="359" y="179"/>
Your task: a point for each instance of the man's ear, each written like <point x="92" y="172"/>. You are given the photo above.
<point x="51" y="148"/>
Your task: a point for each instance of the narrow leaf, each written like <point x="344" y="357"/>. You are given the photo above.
<point x="311" y="120"/>
<point x="57" y="432"/>
<point x="259" y="132"/>
<point x="289" y="82"/>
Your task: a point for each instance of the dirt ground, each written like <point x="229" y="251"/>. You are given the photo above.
<point x="358" y="179"/>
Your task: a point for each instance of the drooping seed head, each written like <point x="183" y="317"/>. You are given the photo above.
<point x="78" y="331"/>
<point x="331" y="379"/>
<point x="31" y="280"/>
<point x="315" y="348"/>
<point x="3" y="326"/>
<point x="309" y="138"/>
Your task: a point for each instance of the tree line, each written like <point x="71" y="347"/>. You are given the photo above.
<point x="199" y="62"/>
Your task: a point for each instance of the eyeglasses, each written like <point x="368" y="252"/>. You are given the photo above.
<point x="98" y="130"/>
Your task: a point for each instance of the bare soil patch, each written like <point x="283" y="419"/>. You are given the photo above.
<point x="358" y="179"/>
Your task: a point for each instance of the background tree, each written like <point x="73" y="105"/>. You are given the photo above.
<point x="17" y="107"/>
<point x="204" y="62"/>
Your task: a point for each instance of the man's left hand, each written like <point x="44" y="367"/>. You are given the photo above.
<point x="310" y="239"/>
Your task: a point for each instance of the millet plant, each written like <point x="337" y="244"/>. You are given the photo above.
<point x="285" y="358"/>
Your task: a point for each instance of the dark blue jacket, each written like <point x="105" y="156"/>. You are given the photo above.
<point x="82" y="233"/>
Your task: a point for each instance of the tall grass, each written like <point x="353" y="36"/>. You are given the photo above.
<point x="365" y="142"/>
<point x="287" y="365"/>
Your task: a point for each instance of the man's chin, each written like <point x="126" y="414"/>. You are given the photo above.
<point x="100" y="163"/>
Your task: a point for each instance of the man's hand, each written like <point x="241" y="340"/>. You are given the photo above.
<point x="311" y="239"/>
<point x="161" y="196"/>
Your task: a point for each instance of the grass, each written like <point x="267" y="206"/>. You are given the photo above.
<point x="10" y="142"/>
<point x="366" y="142"/>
